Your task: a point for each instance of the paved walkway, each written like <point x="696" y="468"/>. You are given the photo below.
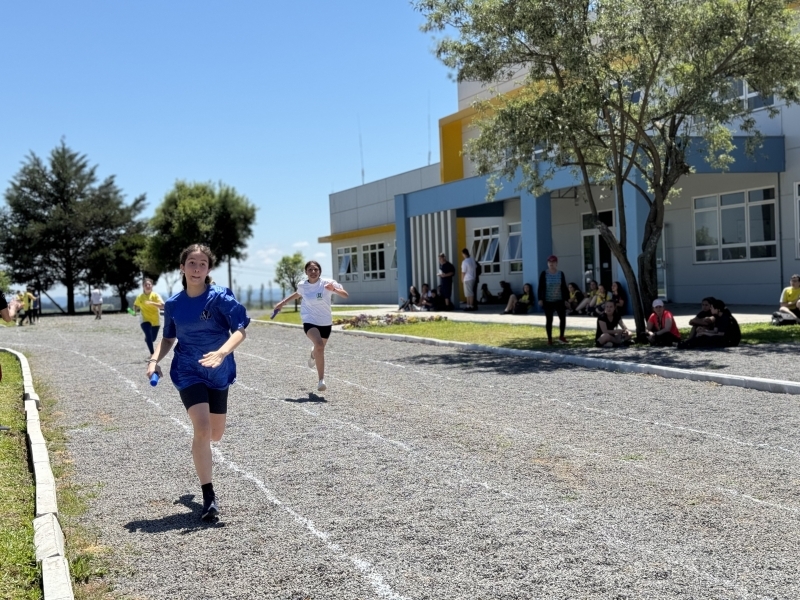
<point x="492" y="314"/>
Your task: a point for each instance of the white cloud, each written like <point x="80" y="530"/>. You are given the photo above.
<point x="321" y="255"/>
<point x="269" y="256"/>
<point x="300" y="245"/>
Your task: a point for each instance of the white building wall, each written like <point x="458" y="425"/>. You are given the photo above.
<point x="364" y="207"/>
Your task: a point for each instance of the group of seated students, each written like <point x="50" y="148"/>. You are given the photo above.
<point x="594" y="300"/>
<point x="514" y="304"/>
<point x="713" y="327"/>
<point x="428" y="299"/>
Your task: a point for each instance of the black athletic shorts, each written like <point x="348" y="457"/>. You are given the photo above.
<point x="198" y="393"/>
<point x="324" y="330"/>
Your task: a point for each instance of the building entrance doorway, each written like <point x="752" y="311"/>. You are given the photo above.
<point x="597" y="259"/>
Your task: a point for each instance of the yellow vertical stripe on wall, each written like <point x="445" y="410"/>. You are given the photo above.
<point x="451" y="144"/>
<point x="461" y="242"/>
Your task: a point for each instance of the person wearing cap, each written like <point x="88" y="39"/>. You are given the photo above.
<point x="661" y="327"/>
<point x="554" y="298"/>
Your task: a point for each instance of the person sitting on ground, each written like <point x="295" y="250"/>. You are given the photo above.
<point x="790" y="297"/>
<point x="575" y="298"/>
<point x="600" y="300"/>
<point x="618" y="296"/>
<point x="425" y="298"/>
<point x="587" y="304"/>
<point x="521" y="305"/>
<point x="661" y="327"/>
<point x="611" y="331"/>
<point x="413" y="300"/>
<point x="436" y="301"/>
<point x="487" y="297"/>
<point x="723" y="333"/>
<point x="703" y="318"/>
<point x="505" y="293"/>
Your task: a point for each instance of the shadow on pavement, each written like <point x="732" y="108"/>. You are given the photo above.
<point x="486" y="361"/>
<point x="184" y="521"/>
<point x="312" y="397"/>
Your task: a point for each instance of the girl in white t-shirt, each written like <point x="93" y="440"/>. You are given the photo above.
<point x="315" y="312"/>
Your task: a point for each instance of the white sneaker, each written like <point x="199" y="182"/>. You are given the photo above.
<point x="312" y="362"/>
<point x="321" y="387"/>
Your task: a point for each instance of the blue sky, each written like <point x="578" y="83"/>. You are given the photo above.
<point x="267" y="97"/>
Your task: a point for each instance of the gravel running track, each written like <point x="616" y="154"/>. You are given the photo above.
<point x="426" y="473"/>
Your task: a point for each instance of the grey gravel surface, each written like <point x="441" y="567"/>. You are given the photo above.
<point x="427" y="473"/>
<point x="768" y="361"/>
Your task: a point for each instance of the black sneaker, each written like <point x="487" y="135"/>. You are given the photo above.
<point x="210" y="510"/>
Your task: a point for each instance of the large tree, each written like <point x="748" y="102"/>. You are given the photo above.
<point x="618" y="91"/>
<point x="119" y="265"/>
<point x="58" y="215"/>
<point x="199" y="213"/>
<point x="289" y="272"/>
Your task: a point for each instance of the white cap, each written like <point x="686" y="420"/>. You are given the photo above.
<point x="658" y="302"/>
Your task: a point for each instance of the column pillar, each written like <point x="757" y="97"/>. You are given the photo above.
<point x="537" y="237"/>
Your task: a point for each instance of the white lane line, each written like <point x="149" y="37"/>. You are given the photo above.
<point x="676" y="427"/>
<point x="375" y="578"/>
<point x="497" y="425"/>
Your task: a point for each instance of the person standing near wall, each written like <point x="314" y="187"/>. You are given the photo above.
<point x="446" y="273"/>
<point x="468" y="275"/>
<point x="554" y="298"/>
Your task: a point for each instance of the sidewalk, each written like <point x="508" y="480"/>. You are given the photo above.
<point x="491" y="314"/>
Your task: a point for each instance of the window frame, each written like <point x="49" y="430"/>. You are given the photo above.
<point x="348" y="268"/>
<point x="514" y="263"/>
<point x="485" y="239"/>
<point x="376" y="251"/>
<point x="718" y="209"/>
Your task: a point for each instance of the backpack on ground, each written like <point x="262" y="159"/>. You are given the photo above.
<point x="781" y="317"/>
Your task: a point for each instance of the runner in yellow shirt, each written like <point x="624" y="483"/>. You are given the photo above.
<point x="147" y="304"/>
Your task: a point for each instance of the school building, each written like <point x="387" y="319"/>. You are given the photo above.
<point x="734" y="235"/>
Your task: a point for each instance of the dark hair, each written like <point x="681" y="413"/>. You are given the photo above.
<point x="573" y="284"/>
<point x="709" y="299"/>
<point x="718" y="304"/>
<point x="146" y="279"/>
<point x="465" y="252"/>
<point x="197" y="248"/>
<point x="425" y="285"/>
<point x="505" y="285"/>
<point x="592" y="281"/>
<point x="312" y="262"/>
<point x="529" y="285"/>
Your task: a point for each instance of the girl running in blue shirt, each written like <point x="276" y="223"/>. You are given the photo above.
<point x="315" y="312"/>
<point x="209" y="325"/>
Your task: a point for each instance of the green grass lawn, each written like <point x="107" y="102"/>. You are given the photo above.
<point x="533" y="337"/>
<point x="19" y="573"/>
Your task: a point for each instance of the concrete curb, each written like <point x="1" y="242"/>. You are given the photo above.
<point x="754" y="383"/>
<point x="48" y="538"/>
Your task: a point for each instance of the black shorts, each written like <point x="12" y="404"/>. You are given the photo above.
<point x="198" y="393"/>
<point x="324" y="330"/>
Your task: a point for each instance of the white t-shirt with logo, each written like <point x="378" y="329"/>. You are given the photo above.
<point x="316" y="305"/>
<point x="97" y="296"/>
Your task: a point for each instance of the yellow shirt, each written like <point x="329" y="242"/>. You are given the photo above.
<point x="790" y="295"/>
<point x="149" y="312"/>
<point x="28" y="299"/>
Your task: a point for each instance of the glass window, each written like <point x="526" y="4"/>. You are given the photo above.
<point x="762" y="223"/>
<point x="733" y="226"/>
<point x="705" y="229"/>
<point x="737" y="226"/>
<point x="486" y="248"/>
<point x="707" y="202"/>
<point x="348" y="263"/>
<point x="374" y="261"/>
